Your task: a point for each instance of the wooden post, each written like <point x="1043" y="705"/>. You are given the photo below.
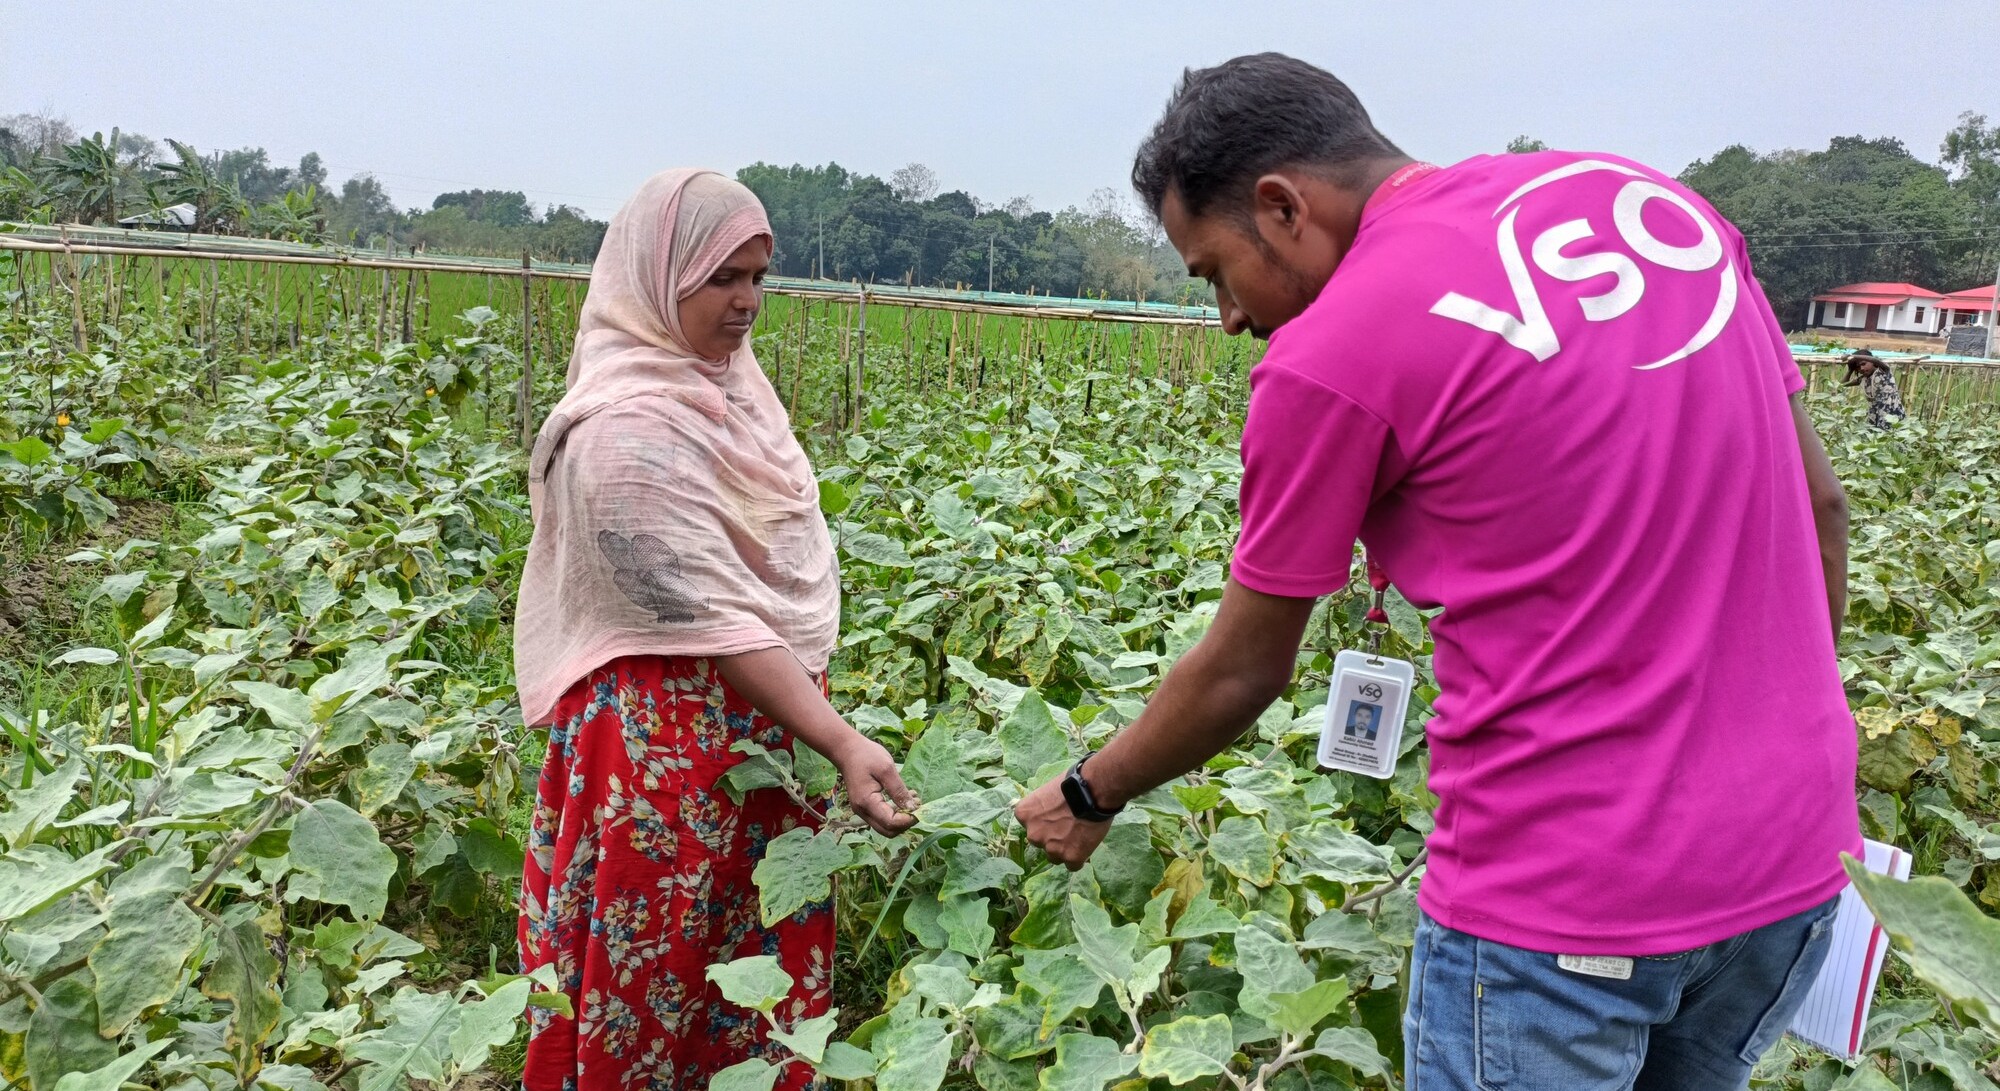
<point x="524" y="398"/>
<point x="951" y="356"/>
<point x="409" y="285"/>
<point x="75" y="294"/>
<point x="861" y="355"/>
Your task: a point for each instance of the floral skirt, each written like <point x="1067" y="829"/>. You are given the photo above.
<point x="638" y="879"/>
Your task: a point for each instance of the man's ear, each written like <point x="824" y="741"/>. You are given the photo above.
<point x="1276" y="199"/>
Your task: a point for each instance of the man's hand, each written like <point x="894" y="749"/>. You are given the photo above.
<point x="870" y="775"/>
<point x="1051" y="827"/>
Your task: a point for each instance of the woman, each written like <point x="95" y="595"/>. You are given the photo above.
<point x="680" y="596"/>
<point x="1885" y="401"/>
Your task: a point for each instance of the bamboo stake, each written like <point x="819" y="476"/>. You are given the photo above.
<point x="861" y="357"/>
<point x="524" y="400"/>
<point x="409" y="284"/>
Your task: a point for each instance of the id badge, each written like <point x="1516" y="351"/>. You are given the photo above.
<point x="1363" y="730"/>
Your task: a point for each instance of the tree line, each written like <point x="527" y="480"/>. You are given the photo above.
<point x="1859" y="209"/>
<point x="50" y="173"/>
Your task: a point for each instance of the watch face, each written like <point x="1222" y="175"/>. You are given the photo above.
<point x="1073" y="794"/>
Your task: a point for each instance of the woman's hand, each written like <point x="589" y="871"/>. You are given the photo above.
<point x="870" y="775"/>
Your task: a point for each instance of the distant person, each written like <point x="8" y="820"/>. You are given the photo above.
<point x="681" y="596"/>
<point x="1885" y="400"/>
<point x="1547" y="394"/>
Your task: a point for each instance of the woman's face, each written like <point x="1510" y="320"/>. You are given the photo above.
<point x="718" y="316"/>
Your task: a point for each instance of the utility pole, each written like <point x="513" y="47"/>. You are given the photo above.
<point x="989" y="261"/>
<point x="820" y="269"/>
<point x="1993" y="319"/>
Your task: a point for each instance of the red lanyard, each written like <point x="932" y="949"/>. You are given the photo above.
<point x="1392" y="186"/>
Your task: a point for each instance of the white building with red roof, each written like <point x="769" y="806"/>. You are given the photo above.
<point x="1971" y="307"/>
<point x="1876" y="307"/>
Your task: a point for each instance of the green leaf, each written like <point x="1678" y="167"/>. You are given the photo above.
<point x="1354" y="1047"/>
<point x="1012" y="1028"/>
<point x="1127" y="866"/>
<point x="365" y="670"/>
<point x="1064" y="983"/>
<point x="1270" y="966"/>
<point x="1348" y="934"/>
<point x="1187" y="1049"/>
<point x="1108" y="951"/>
<point x="137" y="965"/>
<point x="1864" y="1077"/>
<point x="797" y="871"/>
<point x="876" y="549"/>
<point x="62" y="1034"/>
<point x="757" y="983"/>
<point x="965" y="810"/>
<point x="1244" y="847"/>
<point x="949" y="514"/>
<point x="413" y="1042"/>
<point x="808" y="1038"/>
<point x="845" y="1062"/>
<point x="96" y="657"/>
<point x="245" y="975"/>
<point x="113" y="1076"/>
<point x="33" y="809"/>
<point x="383" y="776"/>
<point x="288" y="709"/>
<point x="1203" y="917"/>
<point x="1327" y="851"/>
<point x="750" y="1075"/>
<point x="101" y="430"/>
<point x="1299" y="1012"/>
<point x="486" y="1025"/>
<point x="37" y="876"/>
<point x="1198" y="797"/>
<point x="28" y="451"/>
<point x="1950" y="944"/>
<point x="966" y="923"/>
<point x="335" y="845"/>
<point x="913" y="1056"/>
<point x="1086" y="1062"/>
<point x="969" y="867"/>
<point x="833" y="498"/>
<point x="1030" y="738"/>
<point x="936" y="767"/>
<point x="943" y="984"/>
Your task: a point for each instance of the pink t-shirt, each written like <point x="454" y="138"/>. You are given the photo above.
<point x="1546" y="393"/>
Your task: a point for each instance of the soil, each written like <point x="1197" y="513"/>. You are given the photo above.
<point x="33" y="607"/>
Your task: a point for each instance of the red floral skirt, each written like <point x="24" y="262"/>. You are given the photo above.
<point x="638" y="879"/>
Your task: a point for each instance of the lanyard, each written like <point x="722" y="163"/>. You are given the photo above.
<point x="1392" y="186"/>
<point x="1378" y="580"/>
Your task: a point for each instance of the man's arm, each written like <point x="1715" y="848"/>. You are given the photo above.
<point x="1214" y="692"/>
<point x="1829" y="507"/>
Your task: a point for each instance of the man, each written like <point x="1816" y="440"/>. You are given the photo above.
<point x="1547" y="395"/>
<point x="1361" y="721"/>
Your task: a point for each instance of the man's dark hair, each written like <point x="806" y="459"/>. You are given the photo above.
<point x="1226" y="126"/>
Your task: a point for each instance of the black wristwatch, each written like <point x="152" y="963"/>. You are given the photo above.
<point x="1081" y="802"/>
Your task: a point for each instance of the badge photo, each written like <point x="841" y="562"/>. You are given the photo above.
<point x="1363" y="729"/>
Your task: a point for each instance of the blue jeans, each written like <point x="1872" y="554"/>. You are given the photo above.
<point x="1486" y="1016"/>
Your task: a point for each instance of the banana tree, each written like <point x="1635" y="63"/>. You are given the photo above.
<point x="190" y="179"/>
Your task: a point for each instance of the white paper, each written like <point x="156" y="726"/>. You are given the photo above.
<point x="1836" y="1010"/>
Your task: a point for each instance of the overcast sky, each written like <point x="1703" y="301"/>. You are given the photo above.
<point x="577" y="102"/>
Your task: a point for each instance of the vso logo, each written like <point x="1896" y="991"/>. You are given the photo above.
<point x="1559" y="252"/>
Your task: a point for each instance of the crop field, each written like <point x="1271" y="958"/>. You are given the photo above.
<point x="264" y="785"/>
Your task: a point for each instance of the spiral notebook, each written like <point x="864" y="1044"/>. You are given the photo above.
<point x="1836" y="1010"/>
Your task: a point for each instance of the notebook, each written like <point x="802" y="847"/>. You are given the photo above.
<point x="1836" y="1010"/>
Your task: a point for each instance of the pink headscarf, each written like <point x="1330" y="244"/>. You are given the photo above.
<point x="675" y="513"/>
